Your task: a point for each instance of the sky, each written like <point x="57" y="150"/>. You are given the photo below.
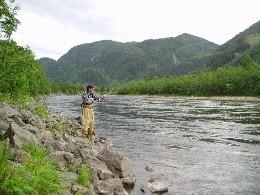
<point x="51" y="27"/>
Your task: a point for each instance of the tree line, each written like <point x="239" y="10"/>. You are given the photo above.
<point x="226" y="81"/>
<point x="20" y="73"/>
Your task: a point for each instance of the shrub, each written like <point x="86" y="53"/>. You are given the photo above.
<point x="38" y="174"/>
<point x="84" y="176"/>
<point x="42" y="111"/>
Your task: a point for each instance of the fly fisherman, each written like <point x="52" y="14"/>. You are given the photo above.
<point x="88" y="99"/>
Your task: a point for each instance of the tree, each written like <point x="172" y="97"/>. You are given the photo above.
<point x="8" y="20"/>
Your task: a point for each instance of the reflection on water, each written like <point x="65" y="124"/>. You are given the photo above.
<point x="196" y="146"/>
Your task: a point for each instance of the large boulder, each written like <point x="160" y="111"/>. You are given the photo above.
<point x="62" y="158"/>
<point x="20" y="136"/>
<point x="29" y="118"/>
<point x="7" y="112"/>
<point x="111" y="186"/>
<point x="155" y="187"/>
<point x="69" y="176"/>
<point x="116" y="162"/>
<point x="100" y="167"/>
<point x="76" y="188"/>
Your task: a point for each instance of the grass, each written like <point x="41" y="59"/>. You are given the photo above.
<point x="42" y="111"/>
<point x="21" y="100"/>
<point x="37" y="175"/>
<point x="60" y="128"/>
<point x="84" y="176"/>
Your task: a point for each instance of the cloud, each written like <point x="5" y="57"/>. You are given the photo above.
<point x="52" y="27"/>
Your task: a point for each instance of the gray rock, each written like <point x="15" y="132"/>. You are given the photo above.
<point x="8" y="112"/>
<point x="110" y="187"/>
<point x="83" y="190"/>
<point x="81" y="142"/>
<point x="156" y="178"/>
<point x="155" y="187"/>
<point x="74" y="150"/>
<point x="62" y="158"/>
<point x="46" y="135"/>
<point x="66" y="192"/>
<point x="29" y="118"/>
<point x="60" y="146"/>
<point x="70" y="176"/>
<point x="116" y="162"/>
<point x="3" y="126"/>
<point x="100" y="167"/>
<point x="33" y="129"/>
<point x="18" y="120"/>
<point x="22" y="136"/>
<point x="149" y="168"/>
<point x="128" y="181"/>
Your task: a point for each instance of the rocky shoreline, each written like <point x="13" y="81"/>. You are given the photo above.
<point x="111" y="170"/>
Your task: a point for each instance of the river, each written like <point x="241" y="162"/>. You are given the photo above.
<point x="195" y="146"/>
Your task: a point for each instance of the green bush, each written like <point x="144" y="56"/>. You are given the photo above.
<point x="36" y="175"/>
<point x="84" y="176"/>
<point x="235" y="81"/>
<point x="42" y="111"/>
<point x="45" y="176"/>
<point x="59" y="128"/>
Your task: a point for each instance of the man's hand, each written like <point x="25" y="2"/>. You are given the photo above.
<point x="101" y="99"/>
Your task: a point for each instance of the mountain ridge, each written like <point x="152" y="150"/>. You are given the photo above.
<point x="118" y="61"/>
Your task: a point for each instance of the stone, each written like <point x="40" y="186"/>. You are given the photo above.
<point x="22" y="136"/>
<point x="8" y="112"/>
<point x="46" y="135"/>
<point x="33" y="129"/>
<point x="154" y="178"/>
<point x="66" y="192"/>
<point x="155" y="187"/>
<point x="149" y="168"/>
<point x="63" y="158"/>
<point x="116" y="162"/>
<point x="74" y="150"/>
<point x="100" y="167"/>
<point x="3" y="126"/>
<point x="83" y="190"/>
<point x="128" y="181"/>
<point x="111" y="186"/>
<point x="19" y="155"/>
<point x="81" y="142"/>
<point x="29" y="118"/>
<point x="69" y="176"/>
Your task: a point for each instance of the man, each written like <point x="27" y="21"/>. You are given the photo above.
<point x="88" y="99"/>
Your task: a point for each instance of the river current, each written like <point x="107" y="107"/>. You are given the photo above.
<point x="195" y="146"/>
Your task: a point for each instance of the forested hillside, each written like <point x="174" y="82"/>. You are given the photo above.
<point x="245" y="43"/>
<point x="233" y="69"/>
<point x="107" y="61"/>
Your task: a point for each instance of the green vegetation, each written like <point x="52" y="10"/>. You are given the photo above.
<point x="104" y="62"/>
<point x="20" y="74"/>
<point x="84" y="176"/>
<point x="235" y="70"/>
<point x="235" y="81"/>
<point x="36" y="174"/>
<point x="242" y="43"/>
<point x="42" y="111"/>
<point x="60" y="128"/>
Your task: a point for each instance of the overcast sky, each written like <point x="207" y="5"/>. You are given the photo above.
<point x="52" y="27"/>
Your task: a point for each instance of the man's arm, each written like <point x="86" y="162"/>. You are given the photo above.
<point x="99" y="99"/>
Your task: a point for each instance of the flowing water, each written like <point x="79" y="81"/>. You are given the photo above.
<point x="195" y="146"/>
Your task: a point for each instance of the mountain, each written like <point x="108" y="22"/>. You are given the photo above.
<point x="109" y="61"/>
<point x="246" y="43"/>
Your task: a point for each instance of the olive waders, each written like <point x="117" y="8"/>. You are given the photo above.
<point x="88" y="121"/>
